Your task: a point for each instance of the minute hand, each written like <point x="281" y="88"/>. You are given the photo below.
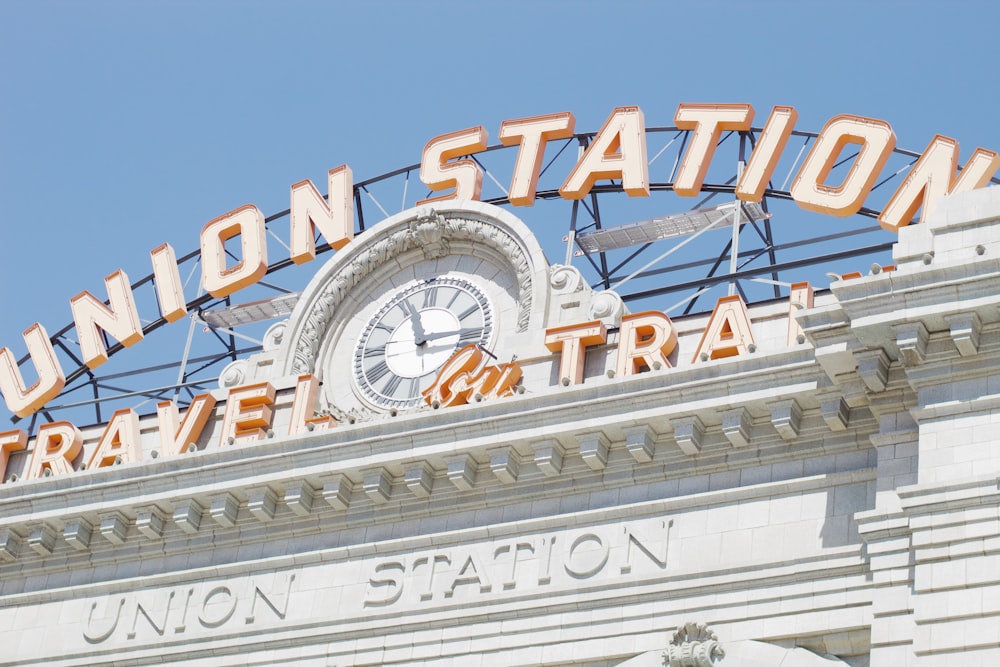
<point x="460" y="332"/>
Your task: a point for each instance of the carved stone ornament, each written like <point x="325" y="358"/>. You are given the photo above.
<point x="234" y="374"/>
<point x="273" y="336"/>
<point x="429" y="232"/>
<point x="693" y="645"/>
<point x="347" y="417"/>
<point x="607" y="307"/>
<point x="565" y="279"/>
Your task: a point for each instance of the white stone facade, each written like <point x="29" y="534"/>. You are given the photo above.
<point x="832" y="497"/>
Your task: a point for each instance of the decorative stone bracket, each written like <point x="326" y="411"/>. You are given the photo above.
<point x="693" y="645"/>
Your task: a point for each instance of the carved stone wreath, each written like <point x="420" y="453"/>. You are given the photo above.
<point x="431" y="233"/>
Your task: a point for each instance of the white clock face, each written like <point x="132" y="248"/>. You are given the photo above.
<point x="414" y="334"/>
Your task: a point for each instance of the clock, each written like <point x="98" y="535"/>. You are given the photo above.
<point x="379" y="320"/>
<point x="414" y="333"/>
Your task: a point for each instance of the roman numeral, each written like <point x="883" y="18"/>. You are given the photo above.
<point x="470" y="335"/>
<point x="374" y="352"/>
<point x="414" y="389"/>
<point x="391" y="386"/>
<point x="468" y="311"/>
<point x="375" y="373"/>
<point x="430" y="297"/>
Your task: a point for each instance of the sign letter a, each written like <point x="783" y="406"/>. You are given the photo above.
<point x="728" y="332"/>
<point x="618" y="150"/>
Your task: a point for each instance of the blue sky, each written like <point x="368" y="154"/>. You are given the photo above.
<point x="127" y="124"/>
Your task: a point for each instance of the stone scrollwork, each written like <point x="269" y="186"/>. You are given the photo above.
<point x="274" y="335"/>
<point x="429" y="232"/>
<point x="607" y="307"/>
<point x="693" y="645"/>
<point x="234" y="374"/>
<point x="565" y="279"/>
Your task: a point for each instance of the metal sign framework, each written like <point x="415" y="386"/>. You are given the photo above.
<point x="762" y="255"/>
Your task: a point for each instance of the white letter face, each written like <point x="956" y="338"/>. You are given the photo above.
<point x="247" y="222"/>
<point x="618" y="150"/>
<point x="876" y="142"/>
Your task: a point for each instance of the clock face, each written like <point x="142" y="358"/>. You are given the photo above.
<point x="414" y="334"/>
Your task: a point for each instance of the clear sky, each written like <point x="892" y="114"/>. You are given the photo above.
<point x="127" y="124"/>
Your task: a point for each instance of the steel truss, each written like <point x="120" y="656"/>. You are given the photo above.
<point x="791" y="245"/>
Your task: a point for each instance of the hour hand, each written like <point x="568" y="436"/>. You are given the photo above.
<point x="419" y="336"/>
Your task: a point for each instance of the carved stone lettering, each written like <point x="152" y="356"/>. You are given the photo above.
<point x="520" y="564"/>
<point x="149" y="615"/>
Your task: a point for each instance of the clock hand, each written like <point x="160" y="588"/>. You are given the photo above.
<point x="419" y="336"/>
<point x="407" y="350"/>
<point x="442" y="334"/>
<point x="438" y="348"/>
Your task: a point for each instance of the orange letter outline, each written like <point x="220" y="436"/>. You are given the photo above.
<point x="249" y="410"/>
<point x="766" y="154"/>
<point x="466" y="360"/>
<point x="877" y="141"/>
<point x="247" y="222"/>
<point x="120" y="320"/>
<point x="571" y="342"/>
<point x="532" y="134"/>
<point x="800" y="296"/>
<point x="56" y="447"/>
<point x="176" y="435"/>
<point x="644" y="340"/>
<point x="23" y="401"/>
<point x="933" y="176"/>
<point x="728" y="332"/>
<point x="168" y="282"/>
<point x="10" y="442"/>
<point x="334" y="218"/>
<point x="618" y="150"/>
<point x="304" y="407"/>
<point x="706" y="122"/>
<point x="120" y="438"/>
<point x="463" y="175"/>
